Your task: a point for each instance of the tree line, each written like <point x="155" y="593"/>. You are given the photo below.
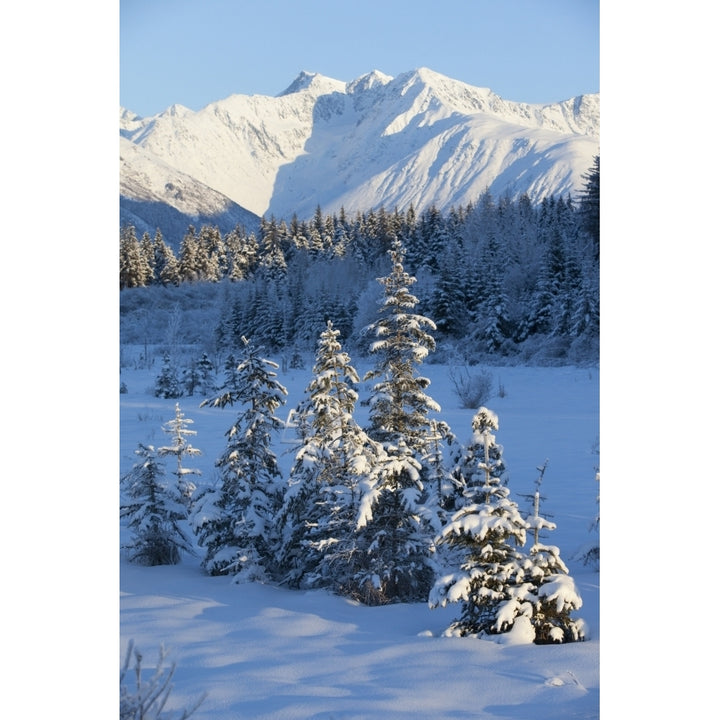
<point x="396" y="511"/>
<point x="503" y="276"/>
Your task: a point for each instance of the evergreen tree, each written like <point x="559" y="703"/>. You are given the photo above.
<point x="190" y="378"/>
<point x="213" y="254"/>
<point x="395" y="523"/>
<point x="234" y="320"/>
<point x="322" y="498"/>
<point x="166" y="268"/>
<point x="190" y="262"/>
<point x="167" y="383"/>
<point x="493" y="325"/>
<point x="448" y="303"/>
<point x="147" y="255"/>
<point x="154" y="510"/>
<point x="439" y="482"/>
<point x="548" y="298"/>
<point x="135" y="271"/>
<point x="570" y="289"/>
<point x="235" y="522"/>
<point x="399" y="406"/>
<point x="206" y="372"/>
<point x="589" y="207"/>
<point x="486" y="533"/>
<point x="272" y="252"/>
<point x="552" y="591"/>
<point x="241" y="253"/>
<point x="179" y="431"/>
<point x="394" y="531"/>
<point x="232" y="380"/>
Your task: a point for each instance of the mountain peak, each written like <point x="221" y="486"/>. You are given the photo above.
<point x="368" y="81"/>
<point x="314" y="83"/>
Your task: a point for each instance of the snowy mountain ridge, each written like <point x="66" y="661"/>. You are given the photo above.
<point x="420" y="138"/>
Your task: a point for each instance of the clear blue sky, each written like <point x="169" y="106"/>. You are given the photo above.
<point x="194" y="52"/>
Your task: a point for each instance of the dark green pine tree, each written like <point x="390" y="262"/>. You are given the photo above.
<point x="235" y="522"/>
<point x="585" y="315"/>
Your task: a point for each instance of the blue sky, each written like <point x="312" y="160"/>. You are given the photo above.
<point x="194" y="52"/>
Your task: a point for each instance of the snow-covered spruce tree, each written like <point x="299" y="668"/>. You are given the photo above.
<point x="166" y="267"/>
<point x="441" y="485"/>
<point x="232" y="382"/>
<point x="190" y="378"/>
<point x="167" y="383"/>
<point x="179" y="431"/>
<point x="395" y="524"/>
<point x="492" y="322"/>
<point x="235" y="522"/>
<point x="319" y="514"/>
<point x="466" y="475"/>
<point x="486" y="535"/>
<point x="206" y="372"/>
<point x="154" y="511"/>
<point x="553" y="593"/>
<point x="135" y="271"/>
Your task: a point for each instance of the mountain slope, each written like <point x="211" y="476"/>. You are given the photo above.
<point x="419" y="138"/>
<point x="154" y="194"/>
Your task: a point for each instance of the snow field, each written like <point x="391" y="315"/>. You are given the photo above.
<point x="260" y="651"/>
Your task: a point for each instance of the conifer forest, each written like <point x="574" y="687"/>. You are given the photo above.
<point x="501" y="279"/>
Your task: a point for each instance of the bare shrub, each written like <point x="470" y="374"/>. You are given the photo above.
<point x="501" y="393"/>
<point x="147" y="699"/>
<point x="473" y="389"/>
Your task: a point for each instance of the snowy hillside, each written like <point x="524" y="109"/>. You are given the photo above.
<point x="154" y="194"/>
<point x="419" y="138"/>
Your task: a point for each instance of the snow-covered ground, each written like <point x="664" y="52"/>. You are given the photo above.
<point x="260" y="651"/>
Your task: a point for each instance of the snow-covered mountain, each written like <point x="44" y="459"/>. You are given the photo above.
<point x="420" y="138"/>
